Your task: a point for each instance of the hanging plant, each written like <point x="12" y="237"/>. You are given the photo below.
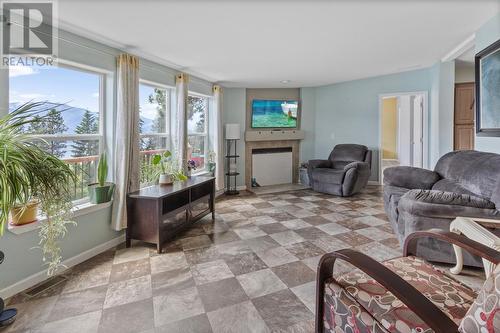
<point x="27" y="174"/>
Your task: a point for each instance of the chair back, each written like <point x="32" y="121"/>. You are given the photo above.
<point x="484" y="314"/>
<point x="344" y="154"/>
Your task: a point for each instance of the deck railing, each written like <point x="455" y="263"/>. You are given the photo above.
<point x="85" y="169"/>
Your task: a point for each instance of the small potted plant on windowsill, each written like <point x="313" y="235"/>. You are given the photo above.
<point x="168" y="172"/>
<point x="101" y="191"/>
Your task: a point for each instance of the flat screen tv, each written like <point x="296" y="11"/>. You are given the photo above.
<point x="274" y="113"/>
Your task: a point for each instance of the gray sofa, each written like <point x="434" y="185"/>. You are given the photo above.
<point x="463" y="183"/>
<point x="344" y="173"/>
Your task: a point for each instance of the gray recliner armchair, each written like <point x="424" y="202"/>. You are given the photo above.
<point x="463" y="183"/>
<point x="344" y="173"/>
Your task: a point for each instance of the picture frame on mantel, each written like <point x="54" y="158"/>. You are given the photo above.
<point x="487" y="67"/>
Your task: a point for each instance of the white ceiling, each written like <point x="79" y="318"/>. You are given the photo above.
<point x="260" y="43"/>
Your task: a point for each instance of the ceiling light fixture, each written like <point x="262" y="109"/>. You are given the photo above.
<point x="285" y="81"/>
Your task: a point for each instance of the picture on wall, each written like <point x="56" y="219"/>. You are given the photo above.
<point x="488" y="91"/>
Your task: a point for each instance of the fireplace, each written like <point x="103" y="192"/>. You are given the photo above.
<point x="268" y="158"/>
<point x="272" y="166"/>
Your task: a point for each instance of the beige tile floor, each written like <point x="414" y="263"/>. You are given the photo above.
<point x="250" y="270"/>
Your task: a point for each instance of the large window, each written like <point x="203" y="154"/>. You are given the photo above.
<point x="153" y="125"/>
<point x="71" y="103"/>
<point x="197" y="129"/>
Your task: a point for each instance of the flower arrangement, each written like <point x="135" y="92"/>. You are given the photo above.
<point x="191" y="165"/>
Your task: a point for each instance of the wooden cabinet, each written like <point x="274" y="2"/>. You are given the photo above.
<point x="464" y="130"/>
<point x="156" y="214"/>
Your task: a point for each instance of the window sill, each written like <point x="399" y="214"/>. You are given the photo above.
<point x="201" y="173"/>
<point x="78" y="210"/>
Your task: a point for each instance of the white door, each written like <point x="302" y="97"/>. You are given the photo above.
<point x="404" y="130"/>
<point x="418" y="133"/>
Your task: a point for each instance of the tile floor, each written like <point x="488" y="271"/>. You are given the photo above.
<point x="250" y="270"/>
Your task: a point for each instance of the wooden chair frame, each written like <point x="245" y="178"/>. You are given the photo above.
<point x="409" y="295"/>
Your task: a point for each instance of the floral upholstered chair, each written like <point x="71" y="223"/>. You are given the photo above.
<point x="406" y="294"/>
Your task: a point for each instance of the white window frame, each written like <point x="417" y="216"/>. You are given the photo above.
<point x="100" y="136"/>
<point x="205" y="132"/>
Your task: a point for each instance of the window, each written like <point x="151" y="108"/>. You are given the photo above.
<point x="71" y="101"/>
<point x="197" y="129"/>
<point x="153" y="126"/>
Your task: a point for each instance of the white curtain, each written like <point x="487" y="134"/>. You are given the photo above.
<point x="218" y="136"/>
<point x="126" y="152"/>
<point x="181" y="130"/>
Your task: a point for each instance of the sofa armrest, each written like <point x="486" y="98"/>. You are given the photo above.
<point x="357" y="165"/>
<point x="410" y="177"/>
<point x="319" y="164"/>
<point x="449" y="198"/>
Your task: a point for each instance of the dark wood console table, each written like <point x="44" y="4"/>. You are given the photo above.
<point x="158" y="213"/>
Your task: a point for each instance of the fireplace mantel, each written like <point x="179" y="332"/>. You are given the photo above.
<point x="274" y="135"/>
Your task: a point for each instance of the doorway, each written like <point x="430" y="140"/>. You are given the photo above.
<point x="403" y="130"/>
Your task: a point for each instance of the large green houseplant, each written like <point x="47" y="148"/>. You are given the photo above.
<point x="29" y="173"/>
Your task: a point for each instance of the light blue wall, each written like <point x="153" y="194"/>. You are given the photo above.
<point x="348" y="112"/>
<point x="487" y="35"/>
<point x="23" y="260"/>
<point x="234" y="105"/>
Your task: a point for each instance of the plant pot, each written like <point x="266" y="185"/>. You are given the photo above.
<point x="165" y="179"/>
<point x="24" y="214"/>
<point x="101" y="194"/>
<point x="188" y="173"/>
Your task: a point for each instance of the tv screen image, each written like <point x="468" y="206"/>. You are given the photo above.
<point x="274" y="113"/>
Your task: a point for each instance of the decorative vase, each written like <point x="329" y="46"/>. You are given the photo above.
<point x="165" y="179"/>
<point x="24" y="214"/>
<point x="188" y="173"/>
<point x="211" y="168"/>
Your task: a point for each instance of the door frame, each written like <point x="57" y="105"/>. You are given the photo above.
<point x="425" y="125"/>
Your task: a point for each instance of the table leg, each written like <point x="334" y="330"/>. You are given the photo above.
<point x="455" y="227"/>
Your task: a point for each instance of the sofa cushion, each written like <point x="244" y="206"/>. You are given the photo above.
<point x="477" y="171"/>
<point x="449" y="295"/>
<point x="484" y="314"/>
<point x="327" y="175"/>
<point x="449" y="185"/>
<point x="495" y="196"/>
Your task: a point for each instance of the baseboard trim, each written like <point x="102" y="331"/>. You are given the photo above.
<point x="41" y="276"/>
<point x="373" y="182"/>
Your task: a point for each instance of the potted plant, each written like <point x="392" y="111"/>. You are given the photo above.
<point x="191" y="165"/>
<point x="29" y="173"/>
<point x="211" y="163"/>
<point x="101" y="191"/>
<point x="168" y="172"/>
<point x="24" y="213"/>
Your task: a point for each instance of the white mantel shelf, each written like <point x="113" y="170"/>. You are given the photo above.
<point x="274" y="135"/>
